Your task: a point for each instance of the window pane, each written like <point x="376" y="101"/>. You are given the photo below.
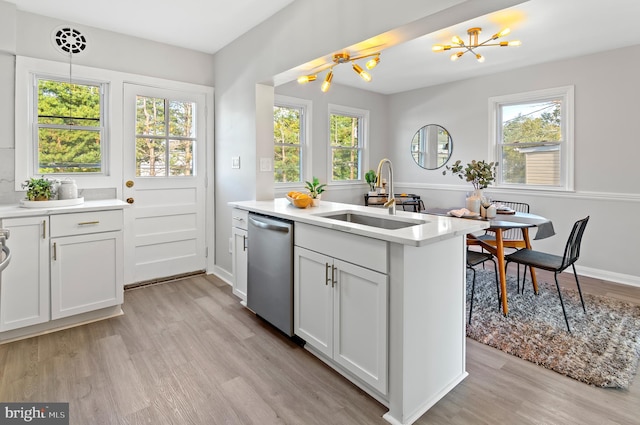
<point x="531" y="138"/>
<point x="182" y="119"/>
<point x="286" y="125"/>
<point x="532" y="122"/>
<point x="287" y="138"/>
<point x="345" y="164"/>
<point x="150" y="116"/>
<point x="181" y="158"/>
<point x="150" y="157"/>
<point x="68" y="151"/>
<point x="76" y="147"/>
<point x="69" y="104"/>
<point x="287" y="164"/>
<point x="344" y="131"/>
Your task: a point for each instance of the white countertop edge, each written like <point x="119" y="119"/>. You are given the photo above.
<point x="436" y="229"/>
<point x="15" y="210"/>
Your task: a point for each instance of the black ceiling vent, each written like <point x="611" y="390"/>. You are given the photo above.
<point x="69" y="40"/>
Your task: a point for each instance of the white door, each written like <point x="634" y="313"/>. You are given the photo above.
<point x="164" y="181"/>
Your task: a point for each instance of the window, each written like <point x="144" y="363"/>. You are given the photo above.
<point x="289" y="135"/>
<point x="165" y="137"/>
<point x="533" y="139"/>
<point x="346" y="135"/>
<point x="70" y="127"/>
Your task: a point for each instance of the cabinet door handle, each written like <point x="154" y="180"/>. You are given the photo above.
<point x="333" y="277"/>
<point x="244" y="243"/>
<point x="326" y="274"/>
<point x="44" y="229"/>
<point x="85" y="223"/>
<point x="55" y="252"/>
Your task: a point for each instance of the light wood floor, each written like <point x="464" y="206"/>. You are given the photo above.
<point x="186" y="352"/>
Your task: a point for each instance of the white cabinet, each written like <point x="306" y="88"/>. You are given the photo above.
<point x="62" y="265"/>
<point x="24" y="288"/>
<point x="239" y="252"/>
<point x="86" y="262"/>
<point x="341" y="310"/>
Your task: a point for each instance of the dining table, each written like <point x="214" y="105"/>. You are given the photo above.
<point x="496" y="245"/>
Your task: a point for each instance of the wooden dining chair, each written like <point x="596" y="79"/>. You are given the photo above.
<point x="475" y="258"/>
<point x="510" y="234"/>
<point x="555" y="263"/>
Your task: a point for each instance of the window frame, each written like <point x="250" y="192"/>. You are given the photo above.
<point x="102" y="128"/>
<point x="566" y="95"/>
<point x="25" y="71"/>
<point x="305" y="107"/>
<point x="363" y="142"/>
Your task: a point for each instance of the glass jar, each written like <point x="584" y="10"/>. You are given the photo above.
<point x="68" y="189"/>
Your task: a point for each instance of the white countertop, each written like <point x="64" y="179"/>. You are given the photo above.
<point x="435" y="229"/>
<point x="15" y="210"/>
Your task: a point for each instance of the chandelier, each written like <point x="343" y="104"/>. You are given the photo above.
<point x="339" y="58"/>
<point x="458" y="43"/>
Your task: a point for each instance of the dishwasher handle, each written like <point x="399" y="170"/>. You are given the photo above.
<point x="268" y="226"/>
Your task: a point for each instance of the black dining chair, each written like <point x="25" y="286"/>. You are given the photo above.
<point x="555" y="263"/>
<point x="475" y="258"/>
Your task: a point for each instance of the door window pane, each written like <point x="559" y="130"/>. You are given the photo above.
<point x="165" y="142"/>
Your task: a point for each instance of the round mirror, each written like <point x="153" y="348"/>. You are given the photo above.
<point x="431" y="146"/>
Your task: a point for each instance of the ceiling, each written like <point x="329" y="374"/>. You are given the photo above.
<point x="549" y="30"/>
<point x="217" y="23"/>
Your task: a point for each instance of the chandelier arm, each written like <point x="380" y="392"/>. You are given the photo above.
<point x="363" y="56"/>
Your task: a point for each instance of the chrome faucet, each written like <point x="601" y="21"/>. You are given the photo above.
<point x="4" y="235"/>
<point x="391" y="202"/>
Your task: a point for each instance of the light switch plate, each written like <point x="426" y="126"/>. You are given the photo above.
<point x="265" y="164"/>
<point x="235" y="162"/>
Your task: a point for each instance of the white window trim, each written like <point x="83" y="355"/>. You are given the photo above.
<point x="567" y="147"/>
<point x="363" y="114"/>
<point x="27" y="69"/>
<point x="305" y="145"/>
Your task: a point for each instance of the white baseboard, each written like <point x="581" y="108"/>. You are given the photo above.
<point x="625" y="279"/>
<point x="222" y="274"/>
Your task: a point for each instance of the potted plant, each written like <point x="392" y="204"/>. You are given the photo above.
<point x="480" y="173"/>
<point x="38" y="189"/>
<point x="315" y="189"/>
<point x="371" y="179"/>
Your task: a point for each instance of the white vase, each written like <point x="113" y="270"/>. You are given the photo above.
<point x="473" y="201"/>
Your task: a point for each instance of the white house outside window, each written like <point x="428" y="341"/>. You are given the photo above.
<point x="533" y="139"/>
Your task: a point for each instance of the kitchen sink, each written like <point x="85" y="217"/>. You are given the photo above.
<point x="374" y="220"/>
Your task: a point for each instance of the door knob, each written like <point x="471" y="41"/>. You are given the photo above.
<point x="130" y="201"/>
<point x="129" y="183"/>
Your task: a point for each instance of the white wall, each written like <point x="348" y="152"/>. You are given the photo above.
<point x="606" y="151"/>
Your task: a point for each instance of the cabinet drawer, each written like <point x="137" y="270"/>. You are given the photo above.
<point x="366" y="252"/>
<point x="86" y="222"/>
<point x="239" y="218"/>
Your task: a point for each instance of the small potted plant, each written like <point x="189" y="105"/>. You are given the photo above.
<point x="315" y="189"/>
<point x="480" y="173"/>
<point x="39" y="189"/>
<point x="371" y="178"/>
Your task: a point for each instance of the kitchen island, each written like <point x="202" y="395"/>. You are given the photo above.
<point x="382" y="303"/>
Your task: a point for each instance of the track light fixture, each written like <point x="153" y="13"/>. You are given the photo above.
<point x="339" y="58"/>
<point x="458" y="43"/>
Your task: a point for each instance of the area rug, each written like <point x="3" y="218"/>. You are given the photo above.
<point x="601" y="350"/>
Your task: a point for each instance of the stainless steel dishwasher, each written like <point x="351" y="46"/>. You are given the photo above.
<point x="270" y="270"/>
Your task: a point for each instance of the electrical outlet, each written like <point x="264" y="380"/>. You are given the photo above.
<point x="235" y="162"/>
<point x="265" y="164"/>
